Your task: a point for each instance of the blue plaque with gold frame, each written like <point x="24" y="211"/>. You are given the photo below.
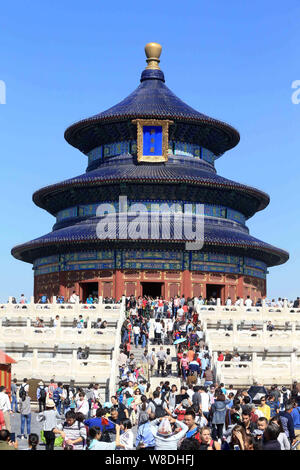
<point x="152" y="140"/>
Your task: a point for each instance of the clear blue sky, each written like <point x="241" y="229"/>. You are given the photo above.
<point x="66" y="60"/>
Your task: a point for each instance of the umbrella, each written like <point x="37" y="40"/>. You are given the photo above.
<point x="180" y="340"/>
<point x="256" y="392"/>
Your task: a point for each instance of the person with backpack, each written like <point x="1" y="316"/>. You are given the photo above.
<point x="193" y="431"/>
<point x="58" y="396"/>
<point x="218" y="414"/>
<point x="144" y="437"/>
<point x="24" y="388"/>
<point x="50" y="390"/>
<point x="158" y="407"/>
<point x="49" y="418"/>
<point x="41" y="395"/>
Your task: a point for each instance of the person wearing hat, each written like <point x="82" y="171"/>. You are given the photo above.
<point x="49" y="419"/>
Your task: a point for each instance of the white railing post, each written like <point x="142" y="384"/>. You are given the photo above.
<point x="254" y="366"/>
<point x="34" y="362"/>
<point x="293" y="365"/>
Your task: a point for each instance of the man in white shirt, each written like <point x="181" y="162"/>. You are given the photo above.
<point x="136" y="332"/>
<point x="5" y="407"/>
<point x="73" y="298"/>
<point x="248" y="302"/>
<point x="157" y="331"/>
<point x="228" y="302"/>
<point x="180" y="314"/>
<point x="205" y="402"/>
<point x="97" y="394"/>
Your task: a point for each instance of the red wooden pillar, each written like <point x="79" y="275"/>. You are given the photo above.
<point x="118" y="284"/>
<point x="240" y="287"/>
<point x="186" y="284"/>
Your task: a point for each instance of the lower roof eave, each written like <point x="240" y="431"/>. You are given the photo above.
<point x="28" y="252"/>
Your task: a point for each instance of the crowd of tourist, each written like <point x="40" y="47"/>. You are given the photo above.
<point x="163" y="339"/>
<point x="195" y="417"/>
<point x="151" y="304"/>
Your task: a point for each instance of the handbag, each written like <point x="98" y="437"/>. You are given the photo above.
<point x="58" y="440"/>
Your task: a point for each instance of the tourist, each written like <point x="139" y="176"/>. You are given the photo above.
<point x="218" y="413"/>
<point x="25" y="410"/>
<point x="33" y="441"/>
<point x="184" y="365"/>
<point x="41" y="395"/>
<point x="157" y="331"/>
<point x="2" y="420"/>
<point x="190" y="420"/>
<point x="74" y="298"/>
<point x="58" y="396"/>
<point x="51" y="387"/>
<point x="5" y="407"/>
<point x="127" y="437"/>
<point x="120" y="407"/>
<point x="238" y="438"/>
<point x="136" y="333"/>
<point x="273" y="405"/>
<point x="144" y="437"/>
<point x="5" y="441"/>
<point x="161" y="359"/>
<point x="287" y="422"/>
<point x="167" y="436"/>
<point x="270" y="437"/>
<point x="13" y="394"/>
<point x="208" y="376"/>
<point x="101" y="421"/>
<point x="248" y="425"/>
<point x="74" y="433"/>
<point x="157" y="406"/>
<point x="282" y="437"/>
<point x="207" y="443"/>
<point x="264" y="408"/>
<point x="295" y="413"/>
<point x="82" y="405"/>
<point x="95" y="442"/>
<point x="49" y="418"/>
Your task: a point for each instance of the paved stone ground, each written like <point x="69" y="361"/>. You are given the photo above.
<point x="36" y="427"/>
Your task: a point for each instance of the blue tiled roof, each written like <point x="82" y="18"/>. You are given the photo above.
<point x="152" y="99"/>
<point x="123" y="169"/>
<point x="85" y="232"/>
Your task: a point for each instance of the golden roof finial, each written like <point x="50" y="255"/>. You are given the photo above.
<point x="153" y="51"/>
